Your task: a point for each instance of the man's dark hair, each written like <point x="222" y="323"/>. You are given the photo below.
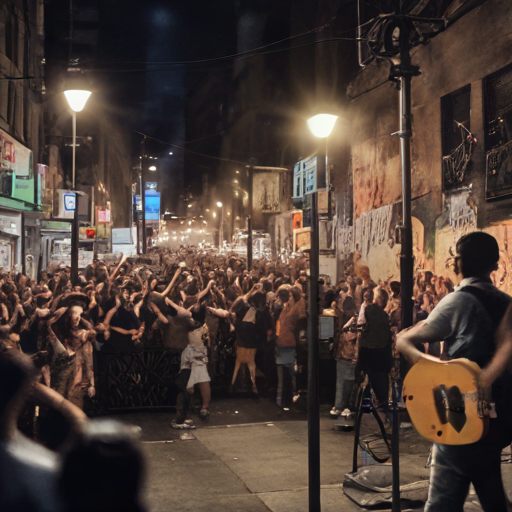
<point x="396" y="288"/>
<point x="478" y="253"/>
<point x="16" y="372"/>
<point x="102" y="469"/>
<point x="384" y="296"/>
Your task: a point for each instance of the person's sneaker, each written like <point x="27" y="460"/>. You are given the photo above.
<point x="335" y="413"/>
<point x="346" y="413"/>
<point x="182" y="426"/>
<point x="189" y="422"/>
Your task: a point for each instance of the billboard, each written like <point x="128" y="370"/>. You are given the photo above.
<point x="152" y="204"/>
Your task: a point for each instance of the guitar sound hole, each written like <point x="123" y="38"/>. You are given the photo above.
<point x="410" y="397"/>
<point x="439" y="433"/>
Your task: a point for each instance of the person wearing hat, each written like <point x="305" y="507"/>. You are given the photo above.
<point x="475" y="322"/>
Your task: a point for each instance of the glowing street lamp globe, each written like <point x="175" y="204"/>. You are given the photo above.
<point x="77" y="99"/>
<point x="219" y="204"/>
<point x="152" y="168"/>
<point x="321" y="125"/>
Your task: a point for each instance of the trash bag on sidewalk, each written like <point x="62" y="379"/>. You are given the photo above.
<point x="371" y="486"/>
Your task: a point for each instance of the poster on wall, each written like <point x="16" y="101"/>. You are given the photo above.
<point x="5" y="255"/>
<point x="266" y="192"/>
<point x="15" y="157"/>
<point x="301" y="239"/>
<point x="297" y="220"/>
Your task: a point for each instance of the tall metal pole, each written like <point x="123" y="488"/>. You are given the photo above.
<point x="221" y="228"/>
<point x="143" y="196"/>
<point x="74" y="244"/>
<point x="74" y="148"/>
<point x="75" y="223"/>
<point x="404" y="72"/>
<point x="313" y="358"/>
<point x="249" y="219"/>
<point x="138" y="213"/>
<point x="406" y="255"/>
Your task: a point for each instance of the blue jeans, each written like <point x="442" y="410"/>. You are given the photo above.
<point x="456" y="467"/>
<point x="345" y="376"/>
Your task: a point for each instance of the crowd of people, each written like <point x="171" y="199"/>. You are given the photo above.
<point x="190" y="301"/>
<point x="193" y="301"/>
<point x="187" y="300"/>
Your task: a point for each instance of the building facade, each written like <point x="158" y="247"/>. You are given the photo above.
<point x="461" y="173"/>
<point x="22" y="93"/>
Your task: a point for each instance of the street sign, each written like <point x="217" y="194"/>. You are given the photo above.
<point x="69" y="202"/>
<point x="298" y="180"/>
<point x="310" y="175"/>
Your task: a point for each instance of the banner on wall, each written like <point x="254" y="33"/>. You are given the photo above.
<point x="16" y="161"/>
<point x="266" y="192"/>
<point x="14" y="156"/>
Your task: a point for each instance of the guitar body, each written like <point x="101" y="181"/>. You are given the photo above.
<point x="442" y="401"/>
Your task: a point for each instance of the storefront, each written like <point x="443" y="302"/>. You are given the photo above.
<point x="20" y="206"/>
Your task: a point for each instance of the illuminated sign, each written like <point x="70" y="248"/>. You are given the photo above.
<point x="152" y="204"/>
<point x="69" y="202"/>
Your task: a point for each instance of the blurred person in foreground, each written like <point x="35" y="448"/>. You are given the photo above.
<point x="474" y="322"/>
<point x="28" y="471"/>
<point x="102" y="470"/>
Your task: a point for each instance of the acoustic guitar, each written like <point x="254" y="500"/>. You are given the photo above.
<point x="442" y="401"/>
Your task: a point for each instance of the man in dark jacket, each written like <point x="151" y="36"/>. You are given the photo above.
<point x="374" y="357"/>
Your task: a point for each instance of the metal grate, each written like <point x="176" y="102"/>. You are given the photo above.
<point x="498" y="132"/>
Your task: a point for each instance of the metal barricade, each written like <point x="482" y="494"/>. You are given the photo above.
<point x="142" y="379"/>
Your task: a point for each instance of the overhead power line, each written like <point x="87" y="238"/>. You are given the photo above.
<point x="170" y="66"/>
<point x="240" y="54"/>
<point x="189" y="150"/>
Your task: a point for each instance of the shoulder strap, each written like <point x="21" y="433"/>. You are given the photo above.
<point x="494" y="304"/>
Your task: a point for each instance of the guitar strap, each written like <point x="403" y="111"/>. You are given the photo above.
<point x="496" y="306"/>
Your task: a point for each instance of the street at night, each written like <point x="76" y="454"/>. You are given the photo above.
<point x="255" y="255"/>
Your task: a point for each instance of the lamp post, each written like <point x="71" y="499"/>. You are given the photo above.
<point x="77" y="98"/>
<point x="321" y="126"/>
<point x="221" y="225"/>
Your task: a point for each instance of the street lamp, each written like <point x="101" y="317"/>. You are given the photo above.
<point x="77" y="98"/>
<point x="321" y="126"/>
<point x="219" y="204"/>
<point x="152" y="168"/>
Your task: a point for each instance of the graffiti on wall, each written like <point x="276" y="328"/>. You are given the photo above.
<point x="462" y="212"/>
<point x="372" y="229"/>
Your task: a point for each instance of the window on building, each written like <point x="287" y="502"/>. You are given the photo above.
<point x="11" y="100"/>
<point x="11" y="37"/>
<point x="456" y="139"/>
<point x="498" y="132"/>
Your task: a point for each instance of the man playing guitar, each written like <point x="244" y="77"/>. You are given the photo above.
<point x="475" y="322"/>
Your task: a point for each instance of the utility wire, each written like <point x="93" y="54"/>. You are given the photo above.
<point x="189" y="150"/>
<point x="240" y="54"/>
<point x="224" y="57"/>
<point x="181" y="64"/>
<point x="205" y="137"/>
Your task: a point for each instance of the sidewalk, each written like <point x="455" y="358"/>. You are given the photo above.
<point x="232" y="465"/>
